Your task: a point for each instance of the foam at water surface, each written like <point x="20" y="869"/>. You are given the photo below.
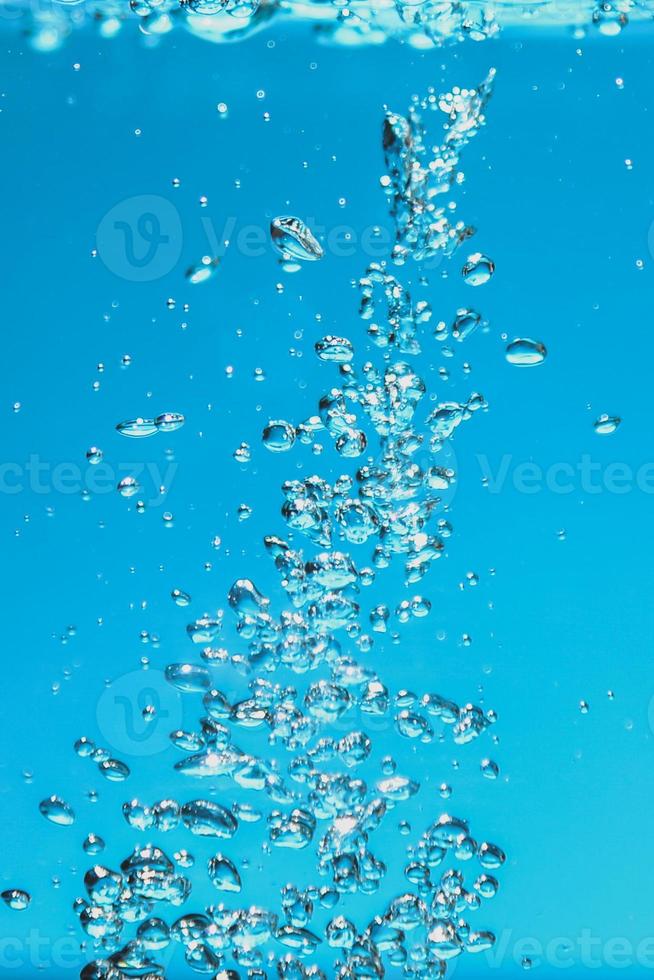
<point x="349" y="22"/>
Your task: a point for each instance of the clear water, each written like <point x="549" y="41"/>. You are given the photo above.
<point x="471" y="576"/>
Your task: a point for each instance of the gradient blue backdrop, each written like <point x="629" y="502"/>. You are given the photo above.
<point x="561" y="620"/>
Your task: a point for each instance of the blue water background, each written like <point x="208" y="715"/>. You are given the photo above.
<point x="564" y="220"/>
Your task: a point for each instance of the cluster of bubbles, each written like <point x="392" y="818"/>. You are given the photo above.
<point x="417" y="932"/>
<point x="348" y="22"/>
<point x="326" y="799"/>
<point x="418" y="174"/>
<point x="115" y="770"/>
<point x="393" y="510"/>
<point x="148" y="879"/>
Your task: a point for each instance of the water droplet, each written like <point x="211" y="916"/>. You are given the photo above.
<point x="606" y="424"/>
<point x="294" y="240"/>
<point x="526" y="353"/>
<point x="489" y="769"/>
<point x="278" y="436"/>
<point x="57" y="811"/>
<point x="169" y="421"/>
<point x="337" y="350"/>
<point x="137" y="428"/>
<point x="103" y="885"/>
<point x="206" y="818"/>
<point x="93" y="844"/>
<point x="188" y="678"/>
<point x="478" y="269"/>
<point x="94" y="455"/>
<point x="153" y="934"/>
<point x="84" y="747"/>
<point x="204" y="271"/>
<point x="223" y="874"/>
<point x="128" y="486"/>
<point x="465" y="324"/>
<point x="243" y="454"/>
<point x="16" y="899"/>
<point x="114" y="770"/>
